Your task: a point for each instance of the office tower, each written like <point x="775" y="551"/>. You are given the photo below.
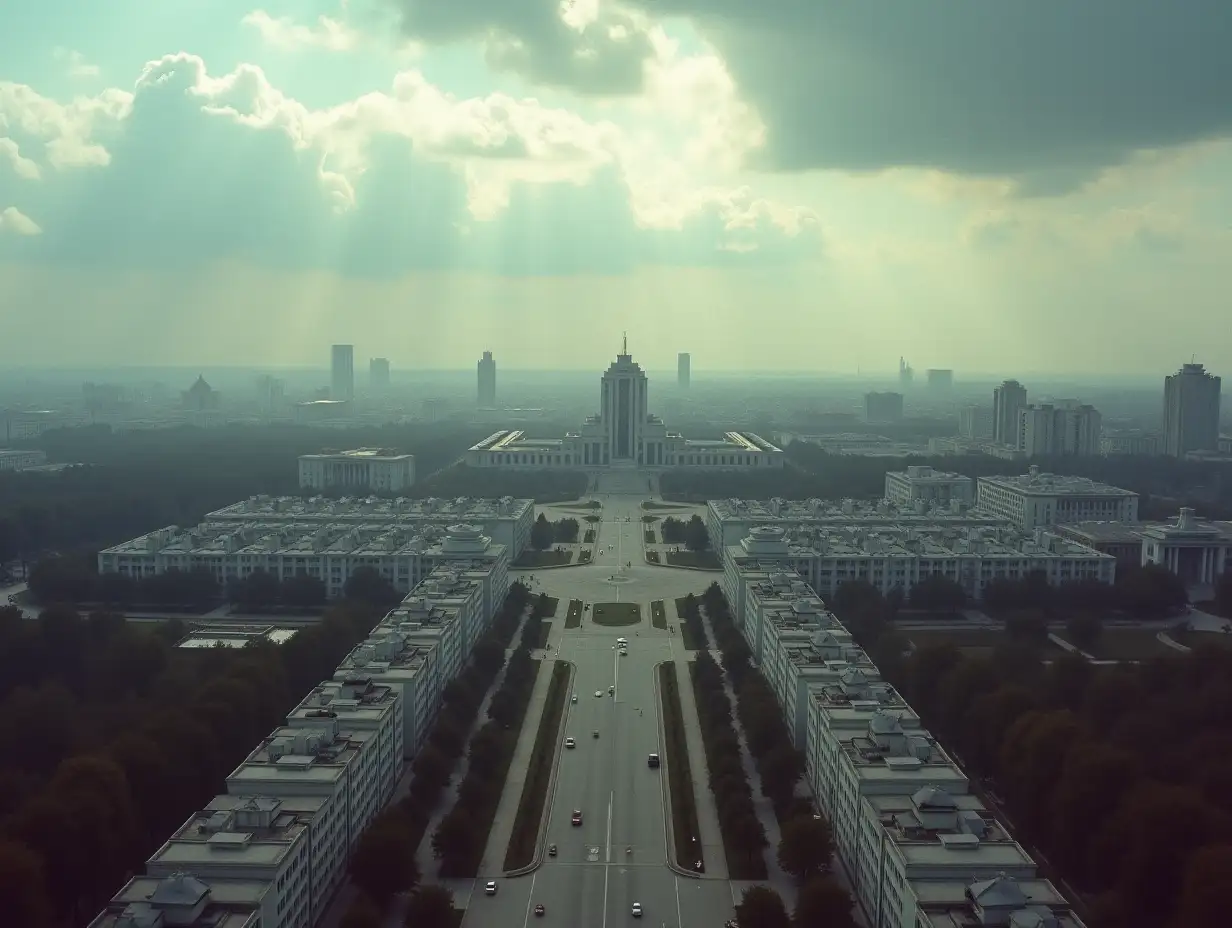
<point x="940" y="379"/>
<point x="1008" y="401"/>
<point x="883" y="407"/>
<point x="975" y="422"/>
<point x="378" y="373"/>
<point x="1191" y="411"/>
<point x="622" y="406"/>
<point x="487" y="381"/>
<point x="682" y="370"/>
<point x="342" y="373"/>
<point x="905" y="375"/>
<point x="1053" y="429"/>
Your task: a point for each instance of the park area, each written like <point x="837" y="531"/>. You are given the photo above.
<point x="616" y="614"/>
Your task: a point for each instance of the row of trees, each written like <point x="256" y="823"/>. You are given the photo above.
<point x="110" y="801"/>
<point x="820" y="903"/>
<point x="1119" y="775"/>
<point x="544" y="534"/>
<point x="691" y="534"/>
<point x="383" y="863"/>
<point x="142" y="480"/>
<point x="546" y="485"/>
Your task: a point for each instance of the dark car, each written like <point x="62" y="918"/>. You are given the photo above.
<point x="652" y="760"/>
<point x="577" y="816"/>
<point x="539" y="910"/>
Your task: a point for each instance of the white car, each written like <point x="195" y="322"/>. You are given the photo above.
<point x="597" y="693"/>
<point x="490" y="889"/>
<point x="622" y="641"/>
<point x="570" y="743"/>
<point x="637" y="910"/>
<point x="575" y="697"/>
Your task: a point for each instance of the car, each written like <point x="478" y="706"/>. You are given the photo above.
<point x="637" y="910"/>
<point x="539" y="909"/>
<point x="575" y="697"/>
<point x="624" y="652"/>
<point x="490" y="889"/>
<point x="622" y="641"/>
<point x="652" y="760"/>
<point x="597" y="693"/>
<point x="570" y="743"/>
<point x="611" y="691"/>
<point x="551" y="850"/>
<point x="595" y="733"/>
<point x="577" y="816"/>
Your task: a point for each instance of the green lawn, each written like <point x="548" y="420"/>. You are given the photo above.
<point x="584" y="556"/>
<point x="552" y="605"/>
<point x="649" y="519"/>
<point x="543" y="559"/>
<point x="700" y="560"/>
<point x="968" y="639"/>
<point x="1201" y="639"/>
<point x="652" y="505"/>
<point x="680" y="777"/>
<point x="1128" y="644"/>
<point x="649" y="535"/>
<point x="652" y="557"/>
<point x="658" y="614"/>
<point x="589" y="537"/>
<point x="573" y="618"/>
<point x="616" y="613"/>
<point x="529" y="817"/>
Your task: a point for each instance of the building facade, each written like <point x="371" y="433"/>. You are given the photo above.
<point x="1008" y="400"/>
<point x="624" y="434"/>
<point x="487" y="381"/>
<point x="1048" y="429"/>
<point x="683" y="370"/>
<point x="1191" y="411"/>
<point x="342" y="373"/>
<point x="1040" y="499"/>
<point x="883" y="407"/>
<point x="918" y="482"/>
<point x="975" y="422"/>
<point x="15" y="459"/>
<point x="380" y="470"/>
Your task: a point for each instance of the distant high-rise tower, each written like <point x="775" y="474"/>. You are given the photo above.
<point x="1191" y="411"/>
<point x="1008" y="400"/>
<point x="378" y="373"/>
<point x="682" y="370"/>
<point x="487" y="381"/>
<point x="342" y="373"/>
<point x="623" y="405"/>
<point x="905" y="374"/>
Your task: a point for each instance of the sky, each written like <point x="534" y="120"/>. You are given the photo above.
<point x="802" y="185"/>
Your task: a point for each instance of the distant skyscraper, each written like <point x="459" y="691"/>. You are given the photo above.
<point x="905" y="375"/>
<point x="487" y="381"/>
<point x="342" y="373"/>
<point x="1008" y="400"/>
<point x="378" y="373"/>
<point x="1051" y="429"/>
<point x="975" y="422"/>
<point x="682" y="370"/>
<point x="1191" y="411"/>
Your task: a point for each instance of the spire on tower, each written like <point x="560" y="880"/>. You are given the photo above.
<point x="624" y="348"/>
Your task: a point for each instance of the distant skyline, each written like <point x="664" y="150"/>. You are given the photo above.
<point x="983" y="187"/>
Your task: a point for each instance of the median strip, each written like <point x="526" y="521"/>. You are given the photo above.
<point x="525" y="834"/>
<point x="685" y="832"/>
<point x="573" y="618"/>
<point x="658" y="614"/>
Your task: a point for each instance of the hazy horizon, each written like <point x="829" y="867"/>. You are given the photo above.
<point x="983" y="187"/>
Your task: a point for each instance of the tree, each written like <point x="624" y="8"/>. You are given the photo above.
<point x="1151" y="591"/>
<point x="780" y="768"/>
<point x="823" y="903"/>
<point x="806" y="847"/>
<point x="303" y="591"/>
<point x="363" y="913"/>
<point x="430" y="906"/>
<point x="456" y="838"/>
<point x="937" y="593"/>
<point x="259" y="591"/>
<point x="761" y="907"/>
<point x="366" y="585"/>
<point x="23" y="891"/>
<point x="1223" y="594"/>
<point x="541" y="533"/>
<point x="383" y="862"/>
<point x="1204" y="897"/>
<point x="696" y="538"/>
<point x="1027" y="628"/>
<point x="1084" y="630"/>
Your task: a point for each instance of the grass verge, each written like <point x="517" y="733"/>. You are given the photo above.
<point x="550" y="605"/>
<point x="692" y="634"/>
<point x="698" y="560"/>
<point x="543" y="559"/>
<point x="584" y="556"/>
<point x="649" y="536"/>
<point x="658" y="614"/>
<point x="525" y="835"/>
<point x="614" y="614"/>
<point x="589" y="537"/>
<point x="541" y="639"/>
<point x="685" y="832"/>
<point x="573" y="618"/>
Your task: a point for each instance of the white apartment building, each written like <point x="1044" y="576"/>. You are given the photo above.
<point x="1049" y="429"/>
<point x="889" y="558"/>
<point x="380" y="470"/>
<point x="918" y="482"/>
<point x="357" y="704"/>
<point x="402" y="554"/>
<point x="729" y="521"/>
<point x="763" y="554"/>
<point x="507" y="521"/>
<point x="185" y="901"/>
<point x="1007" y="400"/>
<point x="15" y="459"/>
<point x="322" y="761"/>
<point x="284" y="843"/>
<point x="1041" y="499"/>
<point x="976" y="422"/>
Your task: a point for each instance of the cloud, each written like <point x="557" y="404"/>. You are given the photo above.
<point x="198" y="168"/>
<point x="1048" y="93"/>
<point x="14" y="220"/>
<point x="22" y="166"/>
<point x="284" y="33"/>
<point x="77" y="64"/>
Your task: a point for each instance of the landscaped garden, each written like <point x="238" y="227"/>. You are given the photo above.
<point x="615" y="614"/>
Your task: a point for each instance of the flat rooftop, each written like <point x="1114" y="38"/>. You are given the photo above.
<point x="947" y="903"/>
<point x="936" y="541"/>
<point x="933" y="827"/>
<point x="370" y="509"/>
<point x="235" y="635"/>
<point x="299" y="756"/>
<point x="354" y="702"/>
<point x="228" y="903"/>
<point x="854" y="711"/>
<point x="249" y="831"/>
<point x="1043" y="484"/>
<point x="784" y="511"/>
<point x="359" y="454"/>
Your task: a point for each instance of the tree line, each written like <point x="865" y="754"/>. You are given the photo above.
<point x="1118" y="774"/>
<point x="142" y="480"/>
<point x="692" y="534"/>
<point x="123" y="737"/>
<point x="1163" y="484"/>
<point x="384" y="861"/>
<point x="544" y="534"/>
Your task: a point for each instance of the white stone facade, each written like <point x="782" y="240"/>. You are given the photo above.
<point x="378" y="470"/>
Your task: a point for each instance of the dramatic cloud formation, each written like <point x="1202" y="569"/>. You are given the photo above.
<point x="1048" y="92"/>
<point x="192" y="167"/>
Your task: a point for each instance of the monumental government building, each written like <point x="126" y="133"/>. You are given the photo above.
<point x="624" y="434"/>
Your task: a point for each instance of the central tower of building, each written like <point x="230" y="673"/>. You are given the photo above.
<point x="623" y="407"/>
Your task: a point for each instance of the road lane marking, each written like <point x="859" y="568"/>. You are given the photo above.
<point x="530" y="900"/>
<point x="610" y="799"/>
<point x="679" y="920"/>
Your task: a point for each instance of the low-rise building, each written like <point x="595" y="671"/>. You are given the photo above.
<point x="918" y="482"/>
<point x="15" y="459"/>
<point x="380" y="470"/>
<point x="1041" y="499"/>
<point x="184" y="901"/>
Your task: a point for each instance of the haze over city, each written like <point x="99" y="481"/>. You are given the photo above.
<point x="786" y="185"/>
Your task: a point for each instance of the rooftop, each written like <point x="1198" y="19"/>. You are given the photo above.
<point x="184" y="901"/>
<point x="370" y="509"/>
<point x="359" y="454"/>
<point x="934" y="827"/>
<point x="253" y="831"/>
<point x="891" y="750"/>
<point x="353" y="702"/>
<point x="318" y="755"/>
<point x="235" y="635"/>
<point x="1038" y="483"/>
<point x="850" y="703"/>
<point x="783" y="511"/>
<point x="922" y="473"/>
<point x="402" y="649"/>
<point x="938" y="541"/>
<point x="957" y="903"/>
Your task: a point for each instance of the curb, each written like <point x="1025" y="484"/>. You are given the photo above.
<point x="669" y="838"/>
<point x="537" y="860"/>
